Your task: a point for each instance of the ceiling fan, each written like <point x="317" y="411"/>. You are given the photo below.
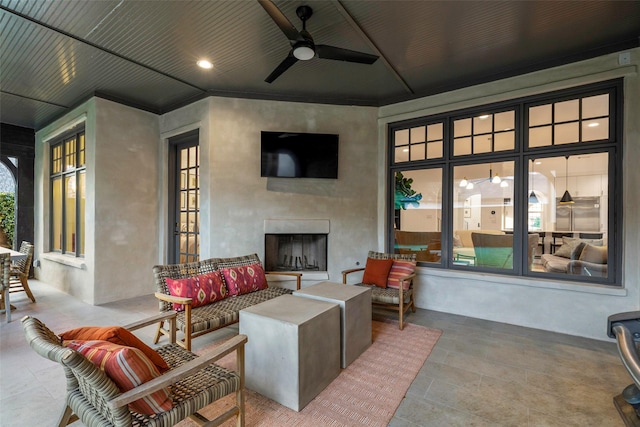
<point x="303" y="47"/>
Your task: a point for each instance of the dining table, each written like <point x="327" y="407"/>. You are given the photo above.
<point x="5" y="304"/>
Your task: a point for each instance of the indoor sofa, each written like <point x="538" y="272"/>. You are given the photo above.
<point x="585" y="257"/>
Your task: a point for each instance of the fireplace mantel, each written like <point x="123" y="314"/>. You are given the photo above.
<point x="296" y="226"/>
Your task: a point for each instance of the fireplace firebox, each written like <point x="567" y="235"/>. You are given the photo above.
<point x="295" y="252"/>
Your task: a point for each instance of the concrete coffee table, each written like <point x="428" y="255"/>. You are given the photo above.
<point x="293" y="348"/>
<point x="355" y="315"/>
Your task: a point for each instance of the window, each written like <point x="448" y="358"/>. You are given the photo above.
<point x="68" y="184"/>
<point x="517" y="188"/>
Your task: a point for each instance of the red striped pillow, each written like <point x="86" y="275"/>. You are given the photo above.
<point x="127" y="367"/>
<point x="399" y="269"/>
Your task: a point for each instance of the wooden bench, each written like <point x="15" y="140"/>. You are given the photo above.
<point x="197" y="321"/>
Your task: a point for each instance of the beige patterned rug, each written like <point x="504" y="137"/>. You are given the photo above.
<point x="366" y="393"/>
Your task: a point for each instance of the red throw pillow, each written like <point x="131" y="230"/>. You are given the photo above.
<point x="400" y="268"/>
<point x="127" y="367"/>
<point x="202" y="289"/>
<point x="116" y="335"/>
<point x="376" y="272"/>
<point x="245" y="279"/>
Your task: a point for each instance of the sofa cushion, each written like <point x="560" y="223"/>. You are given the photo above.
<point x="127" y="367"/>
<point x="376" y="272"/>
<point x="399" y="269"/>
<point x="202" y="289"/>
<point x="244" y="279"/>
<point x="569" y="244"/>
<point x="115" y="335"/>
<point x="594" y="254"/>
<point x="554" y="264"/>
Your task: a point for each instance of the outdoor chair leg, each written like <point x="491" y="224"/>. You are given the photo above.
<point x="67" y="417"/>
<point x="156" y="338"/>
<point x="25" y="286"/>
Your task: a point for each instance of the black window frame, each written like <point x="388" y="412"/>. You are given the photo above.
<point x="521" y="155"/>
<point x="76" y="172"/>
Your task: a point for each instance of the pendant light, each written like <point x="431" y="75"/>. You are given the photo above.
<point x="532" y="196"/>
<point x="566" y="197"/>
<point x="464" y="182"/>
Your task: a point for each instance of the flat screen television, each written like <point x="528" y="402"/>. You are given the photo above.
<point x="299" y="155"/>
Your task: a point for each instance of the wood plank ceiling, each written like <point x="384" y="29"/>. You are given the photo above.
<point x="56" y="54"/>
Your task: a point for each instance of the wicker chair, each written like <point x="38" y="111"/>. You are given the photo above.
<point x="399" y="300"/>
<point x="5" y="268"/>
<point x="20" y="272"/>
<point x="195" y="382"/>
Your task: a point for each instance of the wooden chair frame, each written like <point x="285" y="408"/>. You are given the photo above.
<point x="378" y="295"/>
<point x="105" y="405"/>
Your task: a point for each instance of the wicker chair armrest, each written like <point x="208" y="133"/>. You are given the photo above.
<point x="408" y="277"/>
<point x="180" y="373"/>
<point x="167" y="315"/>
<point x="351" y="270"/>
<point x="298" y="276"/>
<point x="171" y="298"/>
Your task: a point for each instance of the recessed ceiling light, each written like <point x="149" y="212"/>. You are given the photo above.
<point x="203" y="63"/>
<point x="594" y="124"/>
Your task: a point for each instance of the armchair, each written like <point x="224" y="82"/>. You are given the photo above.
<point x="96" y="400"/>
<point x="400" y="299"/>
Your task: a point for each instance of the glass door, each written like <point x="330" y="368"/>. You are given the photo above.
<point x="185" y="194"/>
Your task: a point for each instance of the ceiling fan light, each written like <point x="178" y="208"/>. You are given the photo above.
<point x="303" y="51"/>
<point x="469" y="186"/>
<point x="504" y="184"/>
<point x="464" y="182"/>
<point x="496" y="179"/>
<point x="566" y="198"/>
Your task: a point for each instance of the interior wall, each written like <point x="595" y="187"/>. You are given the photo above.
<point x="575" y="309"/>
<point x="239" y="200"/>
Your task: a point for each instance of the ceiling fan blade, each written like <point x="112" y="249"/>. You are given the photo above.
<point x="284" y="66"/>
<point x="281" y="21"/>
<point x="339" y="54"/>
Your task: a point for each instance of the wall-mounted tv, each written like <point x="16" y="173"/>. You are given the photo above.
<point x="299" y="155"/>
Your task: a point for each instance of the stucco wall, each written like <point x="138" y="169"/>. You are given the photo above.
<point x="126" y="202"/>
<point x="238" y="200"/>
<point x="564" y="307"/>
<point x="121" y="204"/>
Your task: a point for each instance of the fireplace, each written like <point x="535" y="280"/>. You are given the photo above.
<point x="295" y="252"/>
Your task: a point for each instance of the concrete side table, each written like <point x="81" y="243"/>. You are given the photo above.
<point x="293" y="350"/>
<point x="355" y="315"/>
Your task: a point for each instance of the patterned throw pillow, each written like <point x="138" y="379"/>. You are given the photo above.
<point x="202" y="289"/>
<point x="376" y="272"/>
<point x="115" y="335"/>
<point x="245" y="279"/>
<point x="127" y="367"/>
<point x="400" y="268"/>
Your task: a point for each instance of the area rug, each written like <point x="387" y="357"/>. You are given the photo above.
<point x="366" y="393"/>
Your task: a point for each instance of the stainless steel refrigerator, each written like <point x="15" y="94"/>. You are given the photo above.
<point x="583" y="215"/>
